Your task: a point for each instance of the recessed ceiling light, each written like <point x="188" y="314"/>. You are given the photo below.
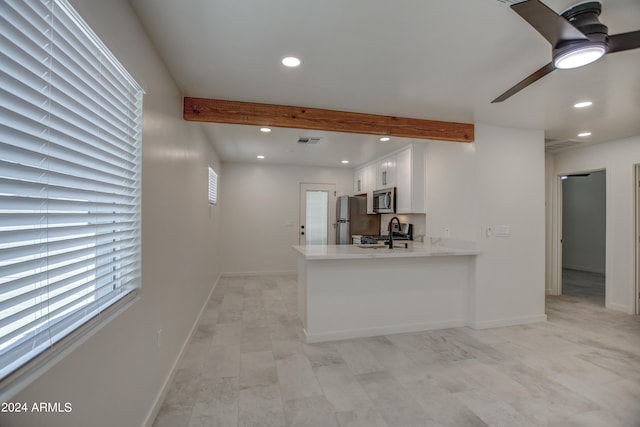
<point x="583" y="104"/>
<point x="583" y="134"/>
<point x="265" y="130"/>
<point x="290" y="61"/>
<point x="385" y="139"/>
<point x="345" y="161"/>
<point x="261" y="156"/>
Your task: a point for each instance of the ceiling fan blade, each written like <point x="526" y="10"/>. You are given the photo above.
<point x="552" y="26"/>
<point x="624" y="41"/>
<point x="526" y="82"/>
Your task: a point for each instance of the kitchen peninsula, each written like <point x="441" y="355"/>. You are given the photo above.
<point x="346" y="291"/>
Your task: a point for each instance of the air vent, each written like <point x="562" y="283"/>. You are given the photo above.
<point x="551" y="145"/>
<point x="308" y="140"/>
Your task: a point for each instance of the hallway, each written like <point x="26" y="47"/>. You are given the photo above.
<point x="583" y="286"/>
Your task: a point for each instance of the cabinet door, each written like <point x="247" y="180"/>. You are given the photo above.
<point x="404" y="188"/>
<point x="386" y="175"/>
<point x="370" y="177"/>
<point x="370" y="173"/>
<point x="418" y="178"/>
<point x="391" y="171"/>
<point x="358" y="182"/>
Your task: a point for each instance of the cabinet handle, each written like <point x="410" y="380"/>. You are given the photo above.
<point x="359" y="186"/>
<point x="384" y="178"/>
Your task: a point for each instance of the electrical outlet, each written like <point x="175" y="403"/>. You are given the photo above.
<point x="447" y="232"/>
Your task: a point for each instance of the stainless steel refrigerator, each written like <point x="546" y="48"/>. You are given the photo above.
<point x="352" y="218"/>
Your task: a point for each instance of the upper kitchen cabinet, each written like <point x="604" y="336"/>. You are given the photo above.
<point x="410" y="179"/>
<point x="405" y="170"/>
<point x="386" y="172"/>
<point x="364" y="181"/>
<point x="359" y="184"/>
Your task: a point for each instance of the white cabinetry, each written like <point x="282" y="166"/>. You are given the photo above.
<point x="410" y="180"/>
<point x="364" y="182"/>
<point x="405" y="170"/>
<point x="370" y="185"/>
<point x="359" y="186"/>
<point x="386" y="172"/>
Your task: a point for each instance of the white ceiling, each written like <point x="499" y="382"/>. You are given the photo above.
<point x="436" y="59"/>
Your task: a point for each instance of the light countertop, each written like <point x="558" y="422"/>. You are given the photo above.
<point x="415" y="250"/>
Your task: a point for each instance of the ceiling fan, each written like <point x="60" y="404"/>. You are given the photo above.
<point x="577" y="37"/>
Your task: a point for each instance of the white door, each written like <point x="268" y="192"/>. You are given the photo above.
<point x="317" y="214"/>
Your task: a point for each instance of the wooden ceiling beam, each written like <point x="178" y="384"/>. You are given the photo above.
<point x="247" y="113"/>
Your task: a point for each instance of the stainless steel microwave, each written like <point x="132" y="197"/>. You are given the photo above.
<point x="384" y="201"/>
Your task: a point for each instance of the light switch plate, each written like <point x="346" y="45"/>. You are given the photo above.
<point x="502" y="230"/>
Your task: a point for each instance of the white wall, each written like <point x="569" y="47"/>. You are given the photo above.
<point x="583" y="222"/>
<point x="451" y="188"/>
<point x="550" y="206"/>
<point x="260" y="213"/>
<point x="113" y="378"/>
<point x="497" y="180"/>
<point x="618" y="158"/>
<point x="509" y="190"/>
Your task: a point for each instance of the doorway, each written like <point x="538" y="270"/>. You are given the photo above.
<point x="317" y="214"/>
<point x="584" y="236"/>
<point x="637" y="245"/>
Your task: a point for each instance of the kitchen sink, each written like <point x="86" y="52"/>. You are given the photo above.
<point x="372" y="245"/>
<point x="396" y="245"/>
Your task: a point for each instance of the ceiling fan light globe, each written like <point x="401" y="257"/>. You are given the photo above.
<point x="579" y="56"/>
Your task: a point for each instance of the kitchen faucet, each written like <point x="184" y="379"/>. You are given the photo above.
<point x="391" y="230"/>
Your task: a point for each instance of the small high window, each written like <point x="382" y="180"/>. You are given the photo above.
<point x="213" y="186"/>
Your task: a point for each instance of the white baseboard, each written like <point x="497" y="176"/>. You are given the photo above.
<point x="162" y="394"/>
<point x="383" y="330"/>
<point x="620" y="307"/>
<point x="258" y="273"/>
<point x="513" y="321"/>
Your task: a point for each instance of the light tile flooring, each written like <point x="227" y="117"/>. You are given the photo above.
<point x="585" y="286"/>
<point x="247" y="366"/>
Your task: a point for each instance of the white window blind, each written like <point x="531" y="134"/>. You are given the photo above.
<point x="317" y="222"/>
<point x="70" y="134"/>
<point x="213" y="186"/>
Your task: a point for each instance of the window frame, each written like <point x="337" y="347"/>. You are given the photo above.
<point x="118" y="293"/>
<point x="212" y="196"/>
